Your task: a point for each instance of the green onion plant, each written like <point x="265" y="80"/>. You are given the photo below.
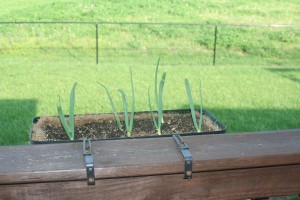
<point x="128" y="121"/>
<point x="69" y="126"/>
<point x="198" y="126"/>
<point x="112" y="106"/>
<point x="158" y="100"/>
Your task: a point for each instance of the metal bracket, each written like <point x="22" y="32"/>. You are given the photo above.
<point x="187" y="156"/>
<point x="89" y="163"/>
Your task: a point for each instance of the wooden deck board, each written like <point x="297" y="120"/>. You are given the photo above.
<point x="229" y="166"/>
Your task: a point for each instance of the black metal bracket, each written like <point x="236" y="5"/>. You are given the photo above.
<point x="187" y="156"/>
<point x="89" y="163"/>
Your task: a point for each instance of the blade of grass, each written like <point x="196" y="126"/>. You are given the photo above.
<point x="128" y="123"/>
<point x="151" y="110"/>
<point x="69" y="126"/>
<point x="200" y="120"/>
<point x="63" y="119"/>
<point x="125" y="108"/>
<point x="158" y="91"/>
<point x="191" y="103"/>
<point x="160" y="99"/>
<point x="132" y="108"/>
<point x="112" y="106"/>
<point x="155" y="82"/>
<point x="71" y="111"/>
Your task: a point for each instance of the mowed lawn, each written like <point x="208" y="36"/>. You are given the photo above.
<point x="254" y="86"/>
<point x="244" y="98"/>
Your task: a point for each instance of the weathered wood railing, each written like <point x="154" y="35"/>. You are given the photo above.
<point x="229" y="166"/>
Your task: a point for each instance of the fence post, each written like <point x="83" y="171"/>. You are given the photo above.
<point x="97" y="44"/>
<point x="215" y="45"/>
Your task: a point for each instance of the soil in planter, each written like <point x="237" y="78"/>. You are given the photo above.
<point x="104" y="126"/>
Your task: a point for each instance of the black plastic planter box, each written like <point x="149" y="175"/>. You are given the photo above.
<point x="219" y="127"/>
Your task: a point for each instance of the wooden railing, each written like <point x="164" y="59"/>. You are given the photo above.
<point x="227" y="166"/>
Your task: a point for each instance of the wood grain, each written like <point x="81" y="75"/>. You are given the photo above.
<point x="227" y="185"/>
<point x="230" y="166"/>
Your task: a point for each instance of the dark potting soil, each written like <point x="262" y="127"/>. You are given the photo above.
<point x="104" y="126"/>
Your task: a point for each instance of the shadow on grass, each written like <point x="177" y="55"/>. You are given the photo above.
<point x="251" y="120"/>
<point x="15" y="120"/>
<point x="292" y="74"/>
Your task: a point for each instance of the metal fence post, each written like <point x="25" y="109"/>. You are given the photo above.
<point x="215" y="45"/>
<point x="97" y="44"/>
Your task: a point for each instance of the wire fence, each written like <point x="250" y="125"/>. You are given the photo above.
<point x="140" y="42"/>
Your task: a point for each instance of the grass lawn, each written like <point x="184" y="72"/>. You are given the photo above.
<point x="244" y="98"/>
<point x="255" y="85"/>
<point x="225" y="11"/>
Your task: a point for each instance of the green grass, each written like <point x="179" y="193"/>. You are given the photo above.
<point x="248" y="98"/>
<point x="254" y="87"/>
<point x="255" y="11"/>
<point x="191" y="45"/>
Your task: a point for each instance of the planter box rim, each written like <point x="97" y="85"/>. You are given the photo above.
<point x="204" y="111"/>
